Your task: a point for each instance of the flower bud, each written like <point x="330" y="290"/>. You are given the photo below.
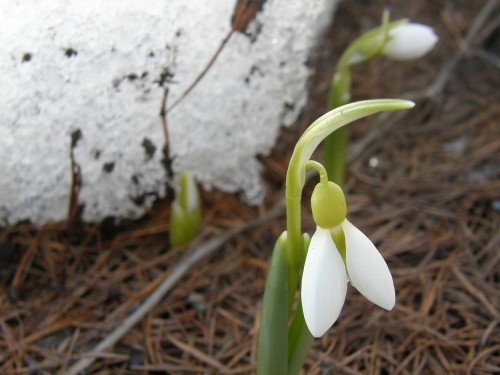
<point x="185" y="220"/>
<point x="328" y="205"/>
<point x="409" y="41"/>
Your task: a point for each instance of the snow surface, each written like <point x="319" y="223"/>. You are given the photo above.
<point x="94" y="66"/>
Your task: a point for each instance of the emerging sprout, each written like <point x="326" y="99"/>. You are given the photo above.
<point x="185" y="221"/>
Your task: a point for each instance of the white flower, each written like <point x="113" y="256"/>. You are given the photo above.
<point x="410" y="41"/>
<point x="324" y="279"/>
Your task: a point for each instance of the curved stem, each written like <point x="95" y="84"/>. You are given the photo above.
<point x="313" y="164"/>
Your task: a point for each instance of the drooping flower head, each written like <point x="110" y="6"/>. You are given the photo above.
<point x="409" y="41"/>
<point x="398" y="40"/>
<point x="331" y="263"/>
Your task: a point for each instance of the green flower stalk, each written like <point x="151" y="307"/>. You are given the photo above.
<point x="286" y="333"/>
<point x="398" y="40"/>
<point x="185" y="220"/>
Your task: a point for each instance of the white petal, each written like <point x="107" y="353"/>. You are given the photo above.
<point x="367" y="269"/>
<point x="410" y="41"/>
<point x="324" y="283"/>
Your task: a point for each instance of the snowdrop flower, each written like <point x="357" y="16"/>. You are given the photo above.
<point x="409" y="41"/>
<point x="329" y="266"/>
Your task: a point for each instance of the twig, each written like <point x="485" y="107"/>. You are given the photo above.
<point x="245" y="11"/>
<point x="75" y="209"/>
<point x="167" y="160"/>
<point x="25" y="262"/>
<point x="197" y="354"/>
<point x="189" y="260"/>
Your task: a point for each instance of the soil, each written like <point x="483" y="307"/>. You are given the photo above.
<point x="424" y="185"/>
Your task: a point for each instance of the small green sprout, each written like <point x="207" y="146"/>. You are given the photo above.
<point x="185" y="220"/>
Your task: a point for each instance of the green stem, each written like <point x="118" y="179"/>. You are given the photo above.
<point x="313" y="164"/>
<point x="294" y="235"/>
<point x="334" y="146"/>
<point x="334" y="155"/>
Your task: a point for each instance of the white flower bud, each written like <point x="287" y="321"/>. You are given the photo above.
<point x="185" y="219"/>
<point x="410" y="41"/>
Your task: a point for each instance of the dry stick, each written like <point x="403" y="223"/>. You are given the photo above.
<point x="163" y="116"/>
<point x="25" y="262"/>
<point x="75" y="209"/>
<point x="167" y="160"/>
<point x="197" y="354"/>
<point x="180" y="269"/>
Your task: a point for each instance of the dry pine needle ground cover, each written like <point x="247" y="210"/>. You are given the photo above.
<point x="424" y="186"/>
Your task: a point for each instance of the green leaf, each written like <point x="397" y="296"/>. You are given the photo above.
<point x="272" y="350"/>
<point x="300" y="341"/>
